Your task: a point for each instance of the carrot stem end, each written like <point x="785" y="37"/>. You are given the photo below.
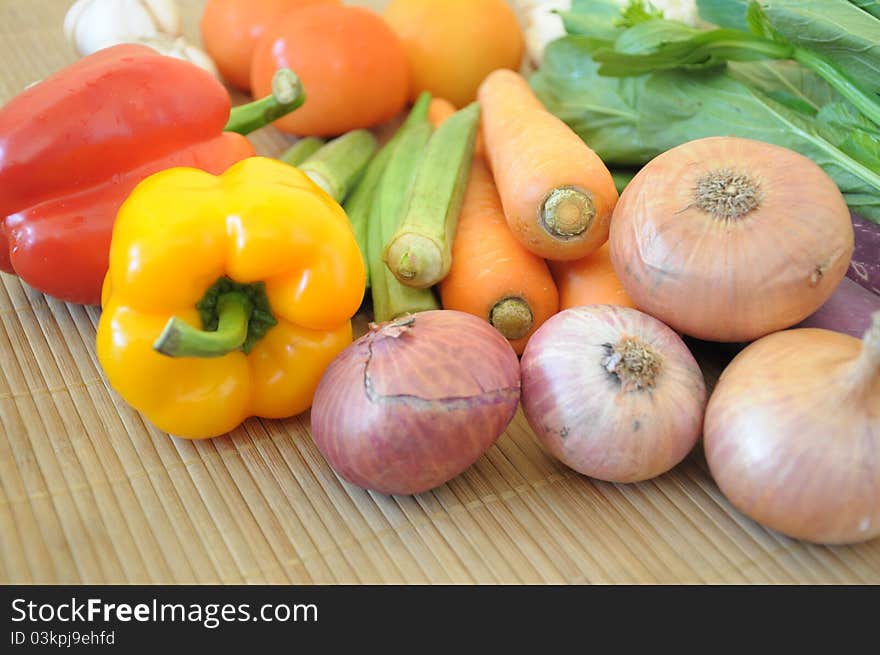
<point x="512" y="317"/>
<point x="567" y="212"/>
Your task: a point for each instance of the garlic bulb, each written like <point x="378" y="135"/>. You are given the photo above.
<point x="180" y="48"/>
<point x="541" y="24"/>
<point x="91" y="25"/>
<point x="95" y="24"/>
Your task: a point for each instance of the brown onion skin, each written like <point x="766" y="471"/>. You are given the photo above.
<point x="733" y="280"/>
<point x="584" y="416"/>
<point x="405" y="409"/>
<point x="793" y="443"/>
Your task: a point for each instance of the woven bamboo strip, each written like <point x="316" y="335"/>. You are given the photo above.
<point x="92" y="493"/>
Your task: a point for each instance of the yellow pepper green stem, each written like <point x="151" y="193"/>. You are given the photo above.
<point x="287" y="94"/>
<point x="234" y="317"/>
<point x="180" y="339"/>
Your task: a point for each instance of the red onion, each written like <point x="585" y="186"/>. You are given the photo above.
<point x="416" y="401"/>
<point x="612" y="392"/>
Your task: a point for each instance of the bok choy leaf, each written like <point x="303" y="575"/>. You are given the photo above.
<point x="845" y="32"/>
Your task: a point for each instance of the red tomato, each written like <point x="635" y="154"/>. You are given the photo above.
<point x="230" y="30"/>
<point x="352" y="65"/>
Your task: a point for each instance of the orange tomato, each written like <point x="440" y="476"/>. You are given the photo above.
<point x="453" y="44"/>
<point x="352" y="65"/>
<point x="230" y="29"/>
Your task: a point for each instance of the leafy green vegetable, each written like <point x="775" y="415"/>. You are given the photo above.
<point x="599" y="19"/>
<point x="638" y="11"/>
<point x="847" y="33"/>
<point x="850" y="132"/>
<point x="871" y="6"/>
<point x="653" y="34"/>
<point x="724" y="13"/>
<point x="786" y="82"/>
<point x="842" y="115"/>
<point x="671" y="46"/>
<point x="630" y="120"/>
<point x="692" y="49"/>
<point x="604" y="111"/>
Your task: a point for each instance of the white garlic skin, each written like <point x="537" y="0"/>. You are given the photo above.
<point x="91" y="25"/>
<point x="180" y="48"/>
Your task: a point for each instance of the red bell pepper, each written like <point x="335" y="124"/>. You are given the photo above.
<point x="73" y="146"/>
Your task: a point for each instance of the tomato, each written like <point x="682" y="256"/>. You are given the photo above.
<point x="351" y="63"/>
<point x="230" y="30"/>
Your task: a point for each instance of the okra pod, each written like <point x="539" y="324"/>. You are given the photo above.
<point x="338" y="165"/>
<point x="301" y="150"/>
<point x="390" y="298"/>
<point x="419" y="253"/>
<point x="360" y="201"/>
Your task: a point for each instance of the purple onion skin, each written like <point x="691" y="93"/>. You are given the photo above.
<point x="848" y="310"/>
<point x="864" y="267"/>
<point x="591" y="421"/>
<point x="407" y="407"/>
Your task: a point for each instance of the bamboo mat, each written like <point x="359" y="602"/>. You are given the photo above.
<point x="91" y="493"/>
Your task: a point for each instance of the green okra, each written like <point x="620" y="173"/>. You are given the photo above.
<point x="399" y="178"/>
<point x="390" y="298"/>
<point x="301" y="150"/>
<point x="419" y="252"/>
<point x="339" y="164"/>
<point x="360" y="201"/>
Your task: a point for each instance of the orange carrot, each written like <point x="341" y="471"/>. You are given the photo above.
<point x="557" y="194"/>
<point x="590" y="280"/>
<point x="493" y="276"/>
<point x="440" y="109"/>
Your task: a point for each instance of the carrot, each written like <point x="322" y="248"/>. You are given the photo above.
<point x="492" y="275"/>
<point x="590" y="280"/>
<point x="440" y="109"/>
<point x="557" y="194"/>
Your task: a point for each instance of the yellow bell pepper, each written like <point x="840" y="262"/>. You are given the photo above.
<point x="227" y="296"/>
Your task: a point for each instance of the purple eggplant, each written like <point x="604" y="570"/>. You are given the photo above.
<point x="848" y="310"/>
<point x="865" y="265"/>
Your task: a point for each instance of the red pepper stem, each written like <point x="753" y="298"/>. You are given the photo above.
<point x="180" y="339"/>
<point x="287" y="94"/>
